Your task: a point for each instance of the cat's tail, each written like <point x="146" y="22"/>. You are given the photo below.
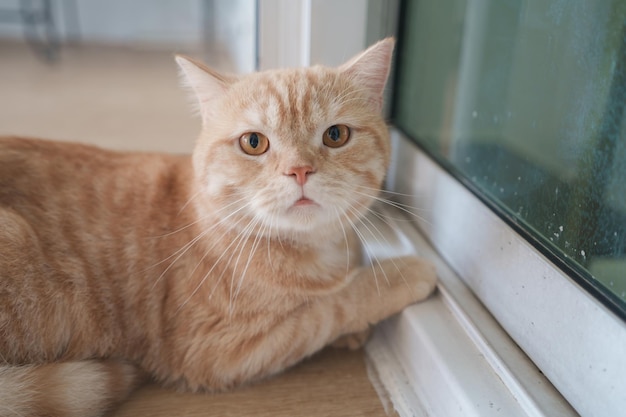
<point x="72" y="389"/>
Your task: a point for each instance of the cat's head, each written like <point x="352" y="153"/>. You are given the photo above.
<point x="293" y="149"/>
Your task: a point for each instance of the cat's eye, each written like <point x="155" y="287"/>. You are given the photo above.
<point x="336" y="136"/>
<point x="254" y="143"/>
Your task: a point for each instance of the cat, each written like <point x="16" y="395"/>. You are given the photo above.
<point x="201" y="272"/>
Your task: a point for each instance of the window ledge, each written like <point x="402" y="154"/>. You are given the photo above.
<point x="537" y="316"/>
<point x="433" y="360"/>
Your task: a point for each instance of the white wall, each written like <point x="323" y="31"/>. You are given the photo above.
<point x="230" y="33"/>
<point x="292" y="32"/>
<point x="143" y="22"/>
<point x="222" y="32"/>
<point x="337" y="30"/>
<point x="303" y="32"/>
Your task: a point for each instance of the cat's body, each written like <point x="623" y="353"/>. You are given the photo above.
<point x="201" y="272"/>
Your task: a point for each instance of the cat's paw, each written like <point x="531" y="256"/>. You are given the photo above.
<point x="418" y="274"/>
<point x="352" y="341"/>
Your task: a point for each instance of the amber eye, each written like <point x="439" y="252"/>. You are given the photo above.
<point x="254" y="143"/>
<point x="336" y="136"/>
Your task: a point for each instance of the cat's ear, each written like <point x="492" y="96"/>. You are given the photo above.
<point x="206" y="84"/>
<point x="370" y="69"/>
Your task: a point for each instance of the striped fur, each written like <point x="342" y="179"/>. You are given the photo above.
<point x="200" y="272"/>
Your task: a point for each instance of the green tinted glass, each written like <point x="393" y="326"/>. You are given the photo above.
<point x="524" y="101"/>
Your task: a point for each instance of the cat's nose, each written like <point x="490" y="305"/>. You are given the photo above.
<point x="300" y="173"/>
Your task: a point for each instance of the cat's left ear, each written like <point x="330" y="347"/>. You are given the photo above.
<point x="370" y="69"/>
<point x="206" y="84"/>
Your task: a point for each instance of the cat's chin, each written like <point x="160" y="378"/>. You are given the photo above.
<point x="304" y="216"/>
<point x="304" y="212"/>
<point x="304" y="202"/>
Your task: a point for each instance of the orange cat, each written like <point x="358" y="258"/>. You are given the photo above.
<point x="200" y="272"/>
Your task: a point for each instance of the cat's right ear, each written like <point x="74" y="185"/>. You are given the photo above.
<point x="206" y="84"/>
<point x="370" y="69"/>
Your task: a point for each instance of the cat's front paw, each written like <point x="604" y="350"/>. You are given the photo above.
<point x="378" y="292"/>
<point x="352" y="341"/>
<point x="419" y="275"/>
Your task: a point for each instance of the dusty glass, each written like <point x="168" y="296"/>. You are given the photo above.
<point x="524" y="102"/>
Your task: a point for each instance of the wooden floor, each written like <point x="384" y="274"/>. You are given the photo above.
<point x="117" y="98"/>
<point x="125" y="99"/>
<point x="332" y="383"/>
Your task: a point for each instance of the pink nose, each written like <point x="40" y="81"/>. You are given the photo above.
<point x="300" y="173"/>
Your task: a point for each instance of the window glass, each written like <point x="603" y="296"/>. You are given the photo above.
<point x="524" y="102"/>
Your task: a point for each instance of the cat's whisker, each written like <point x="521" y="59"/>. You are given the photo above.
<point x="196" y="221"/>
<point x="386" y="242"/>
<point x="255" y="244"/>
<point x="268" y="237"/>
<point x="374" y="258"/>
<point x="242" y="246"/>
<point x="238" y="241"/>
<point x="367" y="209"/>
<point x="181" y="252"/>
<point x="202" y="218"/>
<point x="208" y="273"/>
<point x="402" y="207"/>
<point x="384" y="219"/>
<point x="345" y="237"/>
<point x="365" y="247"/>
<point x="381" y="216"/>
<point x="280" y="242"/>
<point x="209" y="249"/>
<point x="384" y="191"/>
<point x="189" y="200"/>
<point x="390" y="201"/>
<point x="378" y="192"/>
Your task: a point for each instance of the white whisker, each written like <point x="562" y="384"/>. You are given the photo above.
<point x="382" y="218"/>
<point x="208" y="273"/>
<point x="241" y="246"/>
<point x="190" y="244"/>
<point x="200" y="219"/>
<point x="268" y="236"/>
<point x="195" y="195"/>
<point x="382" y="191"/>
<point x="215" y="242"/>
<point x="366" y="248"/>
<point x="403" y="207"/>
<point x="255" y="244"/>
<point x="345" y="236"/>
<point x="374" y="258"/>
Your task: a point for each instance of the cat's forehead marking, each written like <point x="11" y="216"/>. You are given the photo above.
<point x="293" y="100"/>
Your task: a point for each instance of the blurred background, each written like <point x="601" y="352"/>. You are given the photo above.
<point x="103" y="72"/>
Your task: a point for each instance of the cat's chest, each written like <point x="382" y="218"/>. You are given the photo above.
<point x="252" y="265"/>
<point x="325" y="261"/>
<point x="288" y="263"/>
<point x="318" y="260"/>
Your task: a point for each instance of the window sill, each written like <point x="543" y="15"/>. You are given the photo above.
<point x="459" y="358"/>
<point x="434" y="360"/>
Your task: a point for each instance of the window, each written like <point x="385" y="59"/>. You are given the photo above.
<point x="523" y="103"/>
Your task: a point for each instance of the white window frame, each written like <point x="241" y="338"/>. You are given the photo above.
<point x="576" y="342"/>
<point x="459" y="352"/>
<point x="297" y="33"/>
